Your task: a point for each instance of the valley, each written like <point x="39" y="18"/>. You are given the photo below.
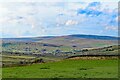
<point x="56" y="54"/>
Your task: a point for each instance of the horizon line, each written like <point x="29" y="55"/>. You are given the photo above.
<point x="117" y="36"/>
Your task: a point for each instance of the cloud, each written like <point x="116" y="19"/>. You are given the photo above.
<point x="75" y="5"/>
<point x="89" y="12"/>
<point x="60" y="1"/>
<point x="31" y="20"/>
<point x="94" y="4"/>
<point x="3" y="10"/>
<point x="99" y="8"/>
<point x="92" y="9"/>
<point x="22" y="19"/>
<point x="111" y="28"/>
<point x="71" y="22"/>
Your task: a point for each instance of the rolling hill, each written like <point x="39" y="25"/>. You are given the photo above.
<point x="55" y="48"/>
<point x="74" y="36"/>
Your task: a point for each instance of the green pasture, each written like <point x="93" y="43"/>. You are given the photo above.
<point x="65" y="69"/>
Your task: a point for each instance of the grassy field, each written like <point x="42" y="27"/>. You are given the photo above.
<point x="65" y="69"/>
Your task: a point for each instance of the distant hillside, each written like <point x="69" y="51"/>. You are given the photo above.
<point x="75" y="36"/>
<point x="94" y="37"/>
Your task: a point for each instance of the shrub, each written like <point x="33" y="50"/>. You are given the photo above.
<point x="38" y="61"/>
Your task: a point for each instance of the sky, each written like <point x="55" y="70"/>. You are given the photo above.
<point x="56" y="18"/>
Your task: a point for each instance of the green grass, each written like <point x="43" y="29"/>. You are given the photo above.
<point x="100" y="44"/>
<point x="0" y="73"/>
<point x="65" y="69"/>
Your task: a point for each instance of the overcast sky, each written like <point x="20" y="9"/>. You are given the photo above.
<point x="33" y="19"/>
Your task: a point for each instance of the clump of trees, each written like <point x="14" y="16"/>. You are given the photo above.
<point x="38" y="61"/>
<point x="31" y="62"/>
<point x="109" y="49"/>
<point x="84" y="50"/>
